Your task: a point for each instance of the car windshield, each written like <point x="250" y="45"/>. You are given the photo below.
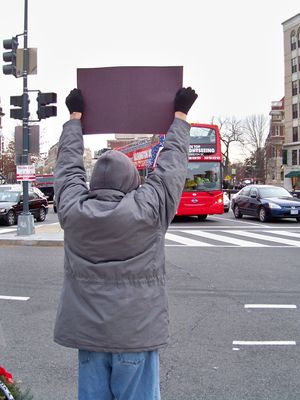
<point x="203" y="176"/>
<point x="274" y="192"/>
<point x="9" y="196"/>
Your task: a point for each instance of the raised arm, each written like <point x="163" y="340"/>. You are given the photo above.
<point x="165" y="184"/>
<point x="69" y="174"/>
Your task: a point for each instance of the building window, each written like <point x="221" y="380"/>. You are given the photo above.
<point x="293" y="41"/>
<point x="294" y="88"/>
<point x="294" y="65"/>
<point x="294" y="157"/>
<point x="295" y="111"/>
<point x="295" y="134"/>
<point x="299" y="38"/>
<point x="284" y="157"/>
<point x="276" y="131"/>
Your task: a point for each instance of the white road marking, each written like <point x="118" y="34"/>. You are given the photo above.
<point x="186" y="241"/>
<point x="265" y="237"/>
<point x="285" y="233"/>
<point x="264" y="343"/>
<point x="18" y="298"/>
<point x="225" y="239"/>
<point x="237" y="221"/>
<point x="270" y="306"/>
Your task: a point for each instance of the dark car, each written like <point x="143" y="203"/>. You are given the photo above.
<point x="265" y="202"/>
<point x="11" y="205"/>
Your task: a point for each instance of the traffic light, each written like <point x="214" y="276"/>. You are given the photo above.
<point x="44" y="110"/>
<point x="17" y="101"/>
<point x="10" y="56"/>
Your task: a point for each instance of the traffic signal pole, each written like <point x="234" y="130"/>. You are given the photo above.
<point x="46" y="109"/>
<point x="25" y="220"/>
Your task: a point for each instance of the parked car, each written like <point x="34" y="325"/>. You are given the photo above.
<point x="11" y="205"/>
<point x="18" y="187"/>
<point x="226" y="202"/>
<point x="265" y="202"/>
<point x="10" y="186"/>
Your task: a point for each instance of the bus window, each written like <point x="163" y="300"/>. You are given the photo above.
<point x="203" y="176"/>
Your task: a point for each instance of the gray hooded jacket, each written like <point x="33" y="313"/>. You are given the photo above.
<point x="114" y="297"/>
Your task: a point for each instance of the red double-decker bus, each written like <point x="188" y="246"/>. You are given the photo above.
<point x="202" y="194"/>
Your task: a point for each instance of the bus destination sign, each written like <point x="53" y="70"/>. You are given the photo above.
<point x="202" y="149"/>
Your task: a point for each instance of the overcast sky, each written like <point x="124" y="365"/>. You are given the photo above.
<point x="231" y="51"/>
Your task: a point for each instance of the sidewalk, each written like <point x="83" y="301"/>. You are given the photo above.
<point x="45" y="235"/>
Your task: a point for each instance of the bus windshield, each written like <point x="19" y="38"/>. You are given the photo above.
<point x="202" y="135"/>
<point x="203" y="176"/>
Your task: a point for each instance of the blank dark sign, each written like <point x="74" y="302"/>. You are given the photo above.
<point x="129" y="99"/>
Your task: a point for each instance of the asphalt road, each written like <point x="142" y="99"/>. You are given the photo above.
<point x="234" y="308"/>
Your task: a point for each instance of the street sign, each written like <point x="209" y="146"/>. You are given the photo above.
<point x="227" y="178"/>
<point x="25" y="173"/>
<point x="32" y="68"/>
<point x="34" y="139"/>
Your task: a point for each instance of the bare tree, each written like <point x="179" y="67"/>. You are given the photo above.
<point x="255" y="133"/>
<point x="231" y="130"/>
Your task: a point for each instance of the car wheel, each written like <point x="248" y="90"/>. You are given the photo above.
<point x="202" y="217"/>
<point x="237" y="212"/>
<point x="262" y="215"/>
<point x="298" y="219"/>
<point x="42" y="214"/>
<point x="11" y="218"/>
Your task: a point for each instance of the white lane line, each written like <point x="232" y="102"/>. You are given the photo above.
<point x="265" y="237"/>
<point x="18" y="298"/>
<point x="285" y="233"/>
<point x="237" y="221"/>
<point x="226" y="239"/>
<point x="264" y="343"/>
<point x="270" y="306"/>
<point x="209" y="227"/>
<point x="186" y="241"/>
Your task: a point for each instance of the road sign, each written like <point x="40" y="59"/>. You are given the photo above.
<point x="227" y="178"/>
<point x="25" y="173"/>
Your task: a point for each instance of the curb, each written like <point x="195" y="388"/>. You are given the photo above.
<point x="31" y="242"/>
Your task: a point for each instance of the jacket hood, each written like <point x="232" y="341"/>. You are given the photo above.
<point x="114" y="170"/>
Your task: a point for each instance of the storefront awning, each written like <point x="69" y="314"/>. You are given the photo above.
<point x="292" y="174"/>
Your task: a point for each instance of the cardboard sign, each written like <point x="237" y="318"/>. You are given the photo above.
<point x="129" y="99"/>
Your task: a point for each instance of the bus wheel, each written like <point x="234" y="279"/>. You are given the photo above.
<point x="202" y="217"/>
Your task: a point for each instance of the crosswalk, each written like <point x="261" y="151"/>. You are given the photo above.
<point x="232" y="238"/>
<point x="176" y="237"/>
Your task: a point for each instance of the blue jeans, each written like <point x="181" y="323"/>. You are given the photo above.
<point x="118" y="376"/>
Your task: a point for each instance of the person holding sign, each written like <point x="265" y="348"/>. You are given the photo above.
<point x="113" y="305"/>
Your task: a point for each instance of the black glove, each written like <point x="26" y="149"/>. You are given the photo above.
<point x="184" y="99"/>
<point x="75" y="102"/>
